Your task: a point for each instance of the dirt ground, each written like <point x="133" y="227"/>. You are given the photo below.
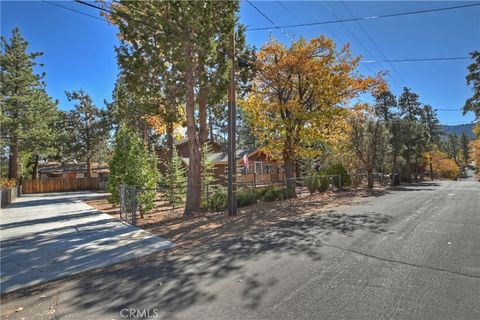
<point x="169" y="223"/>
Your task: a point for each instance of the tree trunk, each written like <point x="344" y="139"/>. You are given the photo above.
<point x="416" y="169"/>
<point x="289" y="168"/>
<point x="394" y="170"/>
<point x="13" y="160"/>
<point x="170" y="146"/>
<point x="431" y="168"/>
<point x="89" y="167"/>
<point x="35" y="167"/>
<point x="194" y="165"/>
<point x="370" y="178"/>
<point x="202" y="114"/>
<point x="408" y="168"/>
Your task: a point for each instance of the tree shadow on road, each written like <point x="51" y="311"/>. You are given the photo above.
<point x="176" y="280"/>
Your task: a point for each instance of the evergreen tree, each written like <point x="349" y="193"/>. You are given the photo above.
<point x="134" y="166"/>
<point x="410" y="111"/>
<point x="385" y="101"/>
<point x="473" y="79"/>
<point x="88" y="129"/>
<point x="27" y="110"/>
<point x="174" y="180"/>
<point x="181" y="44"/>
<point x="207" y="175"/>
<point x="43" y="134"/>
<point x="409" y="105"/>
<point x="464" y="141"/>
<point x="428" y="117"/>
<point x="453" y="147"/>
<point x="397" y="129"/>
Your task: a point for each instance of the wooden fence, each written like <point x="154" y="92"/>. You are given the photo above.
<point x="59" y="185"/>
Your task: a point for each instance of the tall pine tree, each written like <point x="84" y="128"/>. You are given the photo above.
<point x="88" y="128"/>
<point x="27" y="110"/>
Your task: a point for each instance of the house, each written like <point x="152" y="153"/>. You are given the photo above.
<point x="253" y="165"/>
<point x="70" y="170"/>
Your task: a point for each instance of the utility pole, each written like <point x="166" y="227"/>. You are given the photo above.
<point x="232" y="150"/>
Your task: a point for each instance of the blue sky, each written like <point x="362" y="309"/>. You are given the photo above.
<point x="79" y="50"/>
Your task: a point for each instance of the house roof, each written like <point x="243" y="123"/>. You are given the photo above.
<point x="221" y="157"/>
<point x="80" y="167"/>
<point x="185" y="141"/>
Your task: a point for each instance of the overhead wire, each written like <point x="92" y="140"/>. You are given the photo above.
<point x="271" y="21"/>
<point x="365" y="18"/>
<point x="417" y="59"/>
<point x="375" y="44"/>
<point x="73" y="10"/>
<point x="353" y="35"/>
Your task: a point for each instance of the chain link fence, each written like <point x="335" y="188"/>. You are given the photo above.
<point x="171" y="198"/>
<point x="128" y="203"/>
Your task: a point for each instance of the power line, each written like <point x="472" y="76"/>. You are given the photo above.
<point x="364" y="18"/>
<point x="374" y="43"/>
<point x="116" y="13"/>
<point x="356" y="38"/>
<point x="271" y="21"/>
<point x="418" y="59"/>
<point x="455" y="110"/>
<point x="73" y="10"/>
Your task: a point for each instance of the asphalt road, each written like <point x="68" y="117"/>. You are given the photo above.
<point x="410" y="253"/>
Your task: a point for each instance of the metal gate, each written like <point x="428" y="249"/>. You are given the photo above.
<point x="128" y="204"/>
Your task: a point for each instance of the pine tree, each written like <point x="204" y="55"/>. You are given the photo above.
<point x="175" y="181"/>
<point x="207" y="175"/>
<point x="453" y="147"/>
<point x="88" y="129"/>
<point x="410" y="111"/>
<point x="429" y="118"/>
<point x="384" y="102"/>
<point x="134" y="166"/>
<point x="398" y="131"/>
<point x="27" y="110"/>
<point x="473" y="79"/>
<point x="464" y="141"/>
<point x="41" y="136"/>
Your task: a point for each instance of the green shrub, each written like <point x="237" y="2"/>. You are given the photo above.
<point x="216" y="201"/>
<point x="273" y="193"/>
<point x="246" y="197"/>
<point x="260" y="192"/>
<point x="341" y="174"/>
<point x="313" y="183"/>
<point x="324" y="183"/>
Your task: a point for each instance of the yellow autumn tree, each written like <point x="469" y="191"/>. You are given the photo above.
<point x="475" y="148"/>
<point x="441" y="164"/>
<point x="300" y="96"/>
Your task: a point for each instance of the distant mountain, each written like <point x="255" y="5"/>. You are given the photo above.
<point x="458" y="129"/>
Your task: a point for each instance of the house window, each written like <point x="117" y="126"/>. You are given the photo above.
<point x="267" y="168"/>
<point x="258" y="167"/>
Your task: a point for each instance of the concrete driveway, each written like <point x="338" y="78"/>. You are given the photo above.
<point x="50" y="236"/>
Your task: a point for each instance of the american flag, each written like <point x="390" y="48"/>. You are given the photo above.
<point x="245" y="160"/>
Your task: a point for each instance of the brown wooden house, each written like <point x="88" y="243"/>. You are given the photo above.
<point x="253" y="165"/>
<point x="70" y="170"/>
